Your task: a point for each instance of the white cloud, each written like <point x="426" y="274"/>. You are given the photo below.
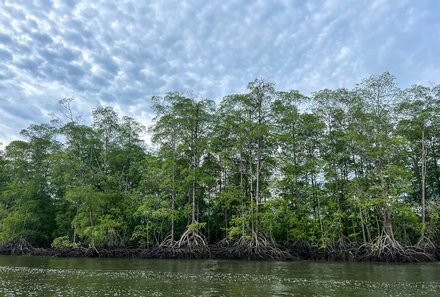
<point x="122" y="53"/>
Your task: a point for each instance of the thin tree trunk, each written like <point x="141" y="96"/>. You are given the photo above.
<point x="193" y="217"/>
<point x="388" y="227"/>
<point x="364" y="237"/>
<point x="252" y="198"/>
<point x="173" y="192"/>
<point x="242" y="191"/>
<point x="423" y="177"/>
<point x="195" y="164"/>
<point x="93" y="230"/>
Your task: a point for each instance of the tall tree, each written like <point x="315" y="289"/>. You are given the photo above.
<point x="417" y="121"/>
<point x="27" y="198"/>
<point x="191" y="119"/>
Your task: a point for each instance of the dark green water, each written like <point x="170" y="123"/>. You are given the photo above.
<point x="40" y="276"/>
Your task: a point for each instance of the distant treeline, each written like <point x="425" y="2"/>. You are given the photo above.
<point x="345" y="173"/>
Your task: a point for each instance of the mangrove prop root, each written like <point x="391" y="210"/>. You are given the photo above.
<point x="255" y="247"/>
<point x="426" y="244"/>
<point x="192" y="244"/>
<point x="192" y="240"/>
<point x="168" y="242"/>
<point x="341" y="249"/>
<point x="387" y="249"/>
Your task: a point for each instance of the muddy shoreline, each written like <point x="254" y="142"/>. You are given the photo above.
<point x="215" y="252"/>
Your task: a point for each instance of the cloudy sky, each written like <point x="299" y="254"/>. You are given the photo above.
<point x="120" y="53"/>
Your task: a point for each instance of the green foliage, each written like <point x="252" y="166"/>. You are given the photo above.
<point x="338" y="164"/>
<point x="63" y="242"/>
<point x="195" y="227"/>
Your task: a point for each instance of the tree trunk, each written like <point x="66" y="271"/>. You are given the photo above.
<point x="387" y="224"/>
<point x="195" y="164"/>
<point x="423" y="177"/>
<point x="92" y="227"/>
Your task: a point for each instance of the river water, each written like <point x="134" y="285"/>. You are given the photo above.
<point x="41" y="276"/>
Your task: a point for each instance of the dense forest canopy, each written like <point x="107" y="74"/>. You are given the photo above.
<point x="338" y="168"/>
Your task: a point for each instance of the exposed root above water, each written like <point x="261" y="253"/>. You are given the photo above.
<point x="426" y="243"/>
<point x="192" y="244"/>
<point x="167" y="242"/>
<point x="387" y="249"/>
<point x="192" y="240"/>
<point x="342" y="249"/>
<point x="255" y="247"/>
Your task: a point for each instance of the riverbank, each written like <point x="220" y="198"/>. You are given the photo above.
<point x="279" y="253"/>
